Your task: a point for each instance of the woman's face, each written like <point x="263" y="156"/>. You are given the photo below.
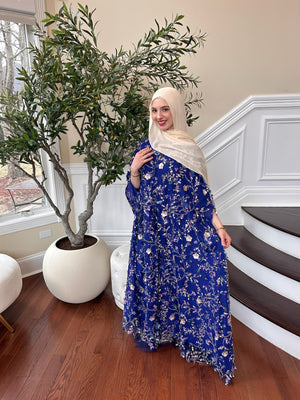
<point x="161" y="114"/>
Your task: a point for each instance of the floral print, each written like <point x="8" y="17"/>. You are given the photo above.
<point x="177" y="287"/>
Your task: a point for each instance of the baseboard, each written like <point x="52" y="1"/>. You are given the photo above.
<point x="113" y="239"/>
<point x="32" y="264"/>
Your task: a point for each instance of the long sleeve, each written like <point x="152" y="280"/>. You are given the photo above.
<point x="133" y="196"/>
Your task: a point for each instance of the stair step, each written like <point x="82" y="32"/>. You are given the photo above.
<point x="286" y="219"/>
<point x="263" y="301"/>
<point x="262" y="253"/>
<point x="277" y="226"/>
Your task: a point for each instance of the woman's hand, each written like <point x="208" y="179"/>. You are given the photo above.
<point x="221" y="231"/>
<point x="141" y="158"/>
<point x="225" y="238"/>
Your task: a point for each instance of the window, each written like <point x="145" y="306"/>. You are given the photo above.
<point x="18" y="193"/>
<point x="22" y="203"/>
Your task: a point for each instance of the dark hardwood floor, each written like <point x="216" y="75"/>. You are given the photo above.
<point x="79" y="352"/>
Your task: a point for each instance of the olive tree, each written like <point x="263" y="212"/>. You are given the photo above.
<point x="103" y="97"/>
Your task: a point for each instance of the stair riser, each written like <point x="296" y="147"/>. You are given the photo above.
<point x="282" y="241"/>
<point x="280" y="284"/>
<point x="278" y="336"/>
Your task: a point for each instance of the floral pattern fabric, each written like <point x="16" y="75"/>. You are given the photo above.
<point x="177" y="286"/>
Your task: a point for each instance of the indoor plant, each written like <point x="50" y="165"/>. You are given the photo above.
<point x="76" y="88"/>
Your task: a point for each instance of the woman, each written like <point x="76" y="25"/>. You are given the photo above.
<point x="177" y="287"/>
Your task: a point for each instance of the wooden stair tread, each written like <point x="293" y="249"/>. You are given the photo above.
<point x="270" y="305"/>
<point x="286" y="219"/>
<point x="264" y="254"/>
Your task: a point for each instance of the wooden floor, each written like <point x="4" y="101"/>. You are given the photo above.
<point x="79" y="352"/>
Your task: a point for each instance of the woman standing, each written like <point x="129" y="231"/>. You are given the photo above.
<point x="177" y="287"/>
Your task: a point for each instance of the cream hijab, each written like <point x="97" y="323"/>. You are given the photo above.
<point x="176" y="143"/>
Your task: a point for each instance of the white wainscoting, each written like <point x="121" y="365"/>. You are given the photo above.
<point x="112" y="218"/>
<point x="252" y="156"/>
<point x="280" y="162"/>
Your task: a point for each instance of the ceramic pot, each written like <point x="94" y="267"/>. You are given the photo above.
<point x="77" y="275"/>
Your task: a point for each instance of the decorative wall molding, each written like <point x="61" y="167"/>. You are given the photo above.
<point x="245" y="107"/>
<point x="40" y="8"/>
<point x="230" y="149"/>
<point x="112" y="219"/>
<point x="269" y="126"/>
<point x="236" y="148"/>
<point x="280" y="163"/>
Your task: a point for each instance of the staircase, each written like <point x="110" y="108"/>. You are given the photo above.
<point x="264" y="274"/>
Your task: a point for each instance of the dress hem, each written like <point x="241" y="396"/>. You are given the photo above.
<point x="190" y="353"/>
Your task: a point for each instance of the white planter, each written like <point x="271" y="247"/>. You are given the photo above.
<point x="77" y="276"/>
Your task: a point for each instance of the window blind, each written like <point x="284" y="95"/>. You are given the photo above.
<point x="24" y="11"/>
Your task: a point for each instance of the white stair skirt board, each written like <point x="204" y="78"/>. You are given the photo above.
<point x="274" y="237"/>
<point x="119" y="304"/>
<point x="273" y="333"/>
<point x="279" y="283"/>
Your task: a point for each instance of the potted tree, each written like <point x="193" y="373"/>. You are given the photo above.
<point x="75" y="88"/>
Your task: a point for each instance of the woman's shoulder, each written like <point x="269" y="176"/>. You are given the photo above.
<point x="143" y="144"/>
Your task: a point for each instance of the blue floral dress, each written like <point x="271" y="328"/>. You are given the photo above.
<point x="177" y="286"/>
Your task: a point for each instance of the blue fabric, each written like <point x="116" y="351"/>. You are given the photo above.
<point x="177" y="286"/>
